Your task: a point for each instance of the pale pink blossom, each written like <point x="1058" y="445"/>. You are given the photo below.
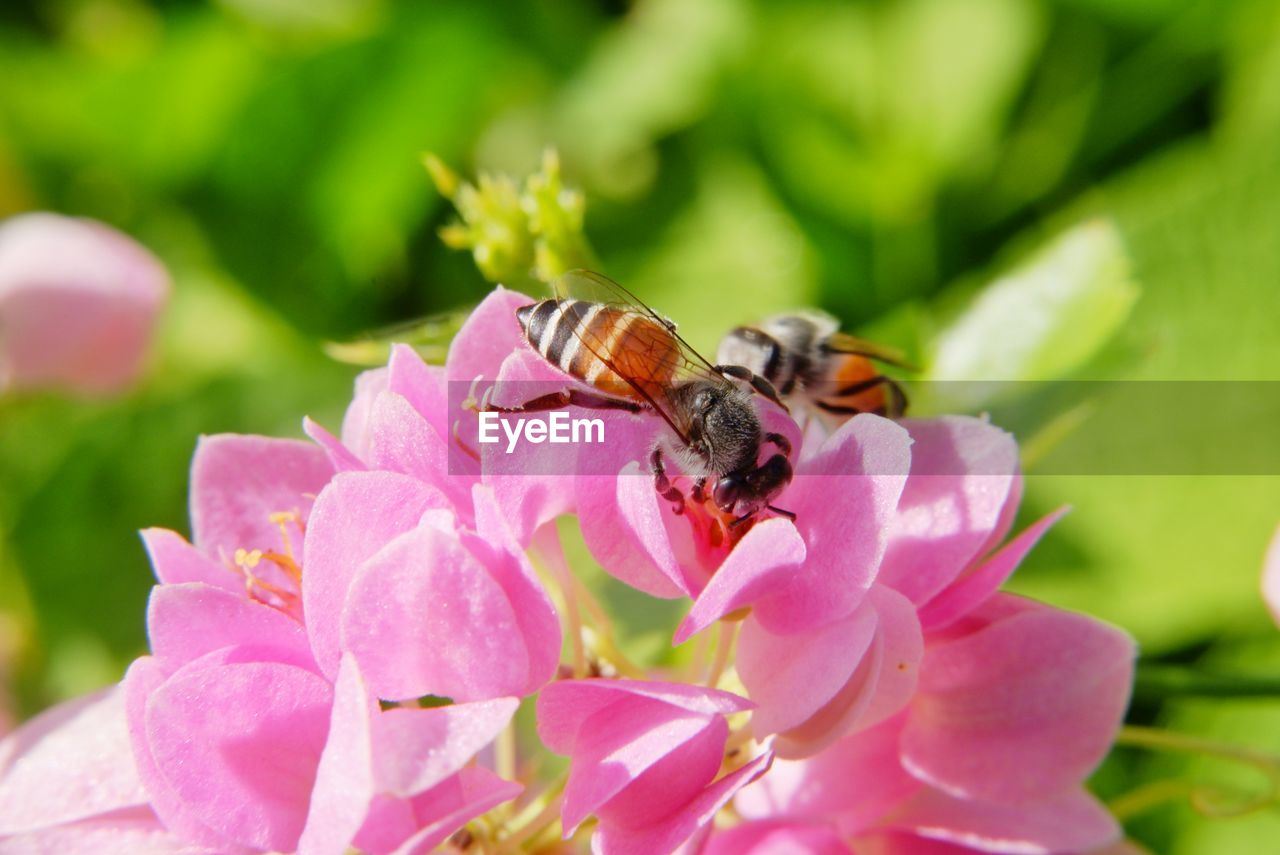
<point x="1016" y="704"/>
<point x="1271" y="577"/>
<point x="645" y="759"/>
<point x="78" y="303"/>
<point x="427" y="604"/>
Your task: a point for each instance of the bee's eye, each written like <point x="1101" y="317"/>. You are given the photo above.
<point x="726" y="492"/>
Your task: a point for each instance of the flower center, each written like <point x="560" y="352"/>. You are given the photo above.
<point x="274" y="577"/>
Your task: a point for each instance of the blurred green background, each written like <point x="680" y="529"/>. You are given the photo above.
<point x="889" y="161"/>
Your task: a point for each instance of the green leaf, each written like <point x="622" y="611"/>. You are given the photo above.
<point x="1043" y="320"/>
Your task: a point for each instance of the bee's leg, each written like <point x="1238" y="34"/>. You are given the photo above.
<point x="791" y="515"/>
<point x="760" y="384"/>
<point x="783" y="444"/>
<point x="699" y="491"/>
<point x="663" y="484"/>
<point x="567" y="398"/>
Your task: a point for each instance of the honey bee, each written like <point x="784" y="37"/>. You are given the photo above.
<point x="809" y="361"/>
<point x="631" y="358"/>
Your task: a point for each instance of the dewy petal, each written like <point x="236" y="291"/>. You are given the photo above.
<point x="419" y="748"/>
<point x="1271" y="577"/>
<point x="132" y="831"/>
<point x="637" y="760"/>
<point x="1021" y="709"/>
<point x="345" y="783"/>
<point x="453" y="803"/>
<point x="355" y="423"/>
<point x="777" y="837"/>
<point x="563" y="706"/>
<point x="768" y="553"/>
<point x="184" y="622"/>
<point x="1073" y="821"/>
<point x="853" y="783"/>
<point x="238" y="482"/>
<point x="175" y="561"/>
<point x="488" y="336"/>
<point x="144" y="677"/>
<point x="356" y="515"/>
<point x="792" y="677"/>
<point x="423" y="386"/>
<point x="843" y="497"/>
<point x="342" y="459"/>
<point x="425" y="617"/>
<point x="510" y="568"/>
<point x="970" y="590"/>
<point x="70" y="762"/>
<point x="623" y="527"/>
<point x="964" y="480"/>
<point x="240" y="745"/>
<point x="667" y="835"/>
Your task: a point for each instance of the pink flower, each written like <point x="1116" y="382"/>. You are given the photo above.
<point x="427" y="604"/>
<point x="230" y="736"/>
<point x="78" y="301"/>
<point x="645" y="757"/>
<point x="1015" y="706"/>
<point x="814" y="685"/>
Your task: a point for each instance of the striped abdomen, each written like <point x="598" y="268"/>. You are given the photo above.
<point x="601" y="345"/>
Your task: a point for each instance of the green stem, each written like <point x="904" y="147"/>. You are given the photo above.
<point x="1209" y="801"/>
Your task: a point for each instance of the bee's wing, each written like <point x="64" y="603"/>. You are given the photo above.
<point x="844" y="343"/>
<point x="430" y="336"/>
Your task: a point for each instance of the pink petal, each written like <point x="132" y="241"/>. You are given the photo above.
<point x="408" y="645"/>
<point x="900" y="645"/>
<point x="793" y="677"/>
<point x="401" y="440"/>
<point x="238" y="482"/>
<point x="143" y="678"/>
<point x="184" y="622"/>
<point x="423" y="386"/>
<point x="132" y="831"/>
<point x="622" y="524"/>
<point x="905" y="843"/>
<point x="355" y="516"/>
<point x="667" y="835"/>
<point x="777" y="837"/>
<point x="963" y="481"/>
<point x="454" y="803"/>
<point x="1271" y="577"/>
<point x="341" y="458"/>
<point x="345" y="783"/>
<point x="637" y="760"/>
<point x="68" y="763"/>
<point x="505" y="558"/>
<point x="971" y="589"/>
<point x="843" y="498"/>
<point x="854" y="783"/>
<point x="240" y="745"/>
<point x="768" y="553"/>
<point x="419" y="748"/>
<point x="1070" y="822"/>
<point x="355" y="424"/>
<point x="78" y="303"/>
<point x="489" y="335"/>
<point x="174" y="561"/>
<point x="1021" y="709"/>
<point x="563" y="706"/>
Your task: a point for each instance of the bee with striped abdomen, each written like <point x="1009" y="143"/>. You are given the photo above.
<point x="809" y="361"/>
<point x="631" y="358"/>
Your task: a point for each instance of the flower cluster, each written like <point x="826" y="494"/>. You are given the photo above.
<point x="338" y="654"/>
